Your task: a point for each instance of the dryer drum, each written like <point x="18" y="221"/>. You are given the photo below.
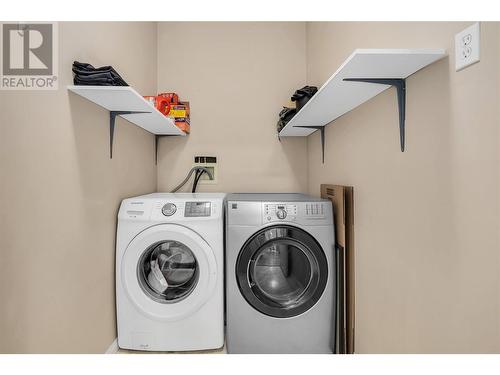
<point x="282" y="271"/>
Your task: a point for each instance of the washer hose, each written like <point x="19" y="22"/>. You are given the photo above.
<point x="201" y="169"/>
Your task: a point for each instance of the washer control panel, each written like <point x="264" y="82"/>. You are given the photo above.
<point x="168" y="209"/>
<point x="197" y="209"/>
<point x="279" y="212"/>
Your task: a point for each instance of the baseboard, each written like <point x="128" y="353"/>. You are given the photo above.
<point x="113" y="348"/>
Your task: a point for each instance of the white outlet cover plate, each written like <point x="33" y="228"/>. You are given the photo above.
<point x="467" y="47"/>
<point x="203" y="180"/>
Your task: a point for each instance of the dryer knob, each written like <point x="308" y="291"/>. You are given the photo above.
<point x="281" y="214"/>
<point x="169" y="209"/>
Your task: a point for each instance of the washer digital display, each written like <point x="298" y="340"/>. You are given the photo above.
<point x="197" y="209"/>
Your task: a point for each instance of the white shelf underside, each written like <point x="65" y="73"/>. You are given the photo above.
<point x="125" y="98"/>
<point x="337" y="97"/>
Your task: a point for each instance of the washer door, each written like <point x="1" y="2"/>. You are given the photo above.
<point x="168" y="271"/>
<point x="282" y="271"/>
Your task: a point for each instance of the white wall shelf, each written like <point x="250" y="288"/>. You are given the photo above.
<point x="371" y="71"/>
<point x="125" y="102"/>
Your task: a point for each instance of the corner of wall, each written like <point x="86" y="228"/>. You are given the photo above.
<point x="157" y="74"/>
<point x="306" y="36"/>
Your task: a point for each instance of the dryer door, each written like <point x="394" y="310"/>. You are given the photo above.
<point x="282" y="271"/>
<point x="168" y="271"/>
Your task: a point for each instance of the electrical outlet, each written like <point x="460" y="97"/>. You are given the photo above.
<point x="210" y="163"/>
<point x="467" y="43"/>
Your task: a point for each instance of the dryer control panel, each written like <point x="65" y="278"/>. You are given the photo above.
<point x="279" y="212"/>
<point x="294" y="212"/>
<point x="248" y="209"/>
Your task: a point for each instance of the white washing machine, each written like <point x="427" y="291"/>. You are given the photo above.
<point x="280" y="274"/>
<point x="169" y="272"/>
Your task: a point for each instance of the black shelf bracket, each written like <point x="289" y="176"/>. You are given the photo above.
<point x="112" y="119"/>
<point x="400" y="85"/>
<point x="322" y="137"/>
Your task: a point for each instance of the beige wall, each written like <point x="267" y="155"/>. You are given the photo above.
<point x="426" y="220"/>
<point x="60" y="193"/>
<point x="236" y="77"/>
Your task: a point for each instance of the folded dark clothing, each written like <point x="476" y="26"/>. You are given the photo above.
<point x="84" y="68"/>
<point x="108" y="75"/>
<point x="86" y="74"/>
<point x="101" y="82"/>
<point x="97" y="81"/>
<point x="97" y="75"/>
<point x="102" y="79"/>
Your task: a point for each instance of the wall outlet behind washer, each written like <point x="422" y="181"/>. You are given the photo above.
<point x="467" y="43"/>
<point x="209" y="162"/>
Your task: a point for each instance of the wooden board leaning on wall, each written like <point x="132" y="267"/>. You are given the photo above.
<point x="342" y="198"/>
